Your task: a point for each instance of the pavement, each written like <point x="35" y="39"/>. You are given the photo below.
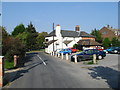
<point x="59" y="73"/>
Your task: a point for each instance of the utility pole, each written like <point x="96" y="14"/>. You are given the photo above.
<point x="53" y="37"/>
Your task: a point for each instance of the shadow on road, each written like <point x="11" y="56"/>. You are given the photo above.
<point x="111" y="76"/>
<point x="12" y="76"/>
<point x="21" y="73"/>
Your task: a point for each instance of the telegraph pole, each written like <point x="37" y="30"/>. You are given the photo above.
<point x="53" y="37"/>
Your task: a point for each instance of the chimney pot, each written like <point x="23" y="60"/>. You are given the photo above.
<point x="77" y="28"/>
<point x="57" y="25"/>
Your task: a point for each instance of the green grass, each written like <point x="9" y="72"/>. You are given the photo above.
<point x="36" y="51"/>
<point x="91" y="62"/>
<point x="8" y="65"/>
<point x="88" y="62"/>
<point x="42" y="49"/>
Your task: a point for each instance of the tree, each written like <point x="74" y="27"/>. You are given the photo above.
<point x="75" y="45"/>
<point x="41" y="39"/>
<point x="3" y="36"/>
<point x="106" y="43"/>
<point x="23" y="37"/>
<point x="31" y="28"/>
<point x="97" y="35"/>
<point x="12" y="46"/>
<point x="31" y="40"/>
<point x="4" y="32"/>
<point x="115" y="42"/>
<point x="18" y="29"/>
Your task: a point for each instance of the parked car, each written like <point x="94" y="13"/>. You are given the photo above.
<point x="108" y="50"/>
<point x="64" y="51"/>
<point x="58" y="50"/>
<point x="115" y="51"/>
<point x="73" y="49"/>
<point x="100" y="48"/>
<point x="88" y="55"/>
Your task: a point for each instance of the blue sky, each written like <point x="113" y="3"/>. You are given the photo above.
<point x="88" y="15"/>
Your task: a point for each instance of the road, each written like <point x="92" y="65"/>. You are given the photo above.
<point x="56" y="73"/>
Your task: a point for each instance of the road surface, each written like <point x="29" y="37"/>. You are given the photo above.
<point x="45" y="71"/>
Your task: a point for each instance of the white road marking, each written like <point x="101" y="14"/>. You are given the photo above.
<point x="41" y="60"/>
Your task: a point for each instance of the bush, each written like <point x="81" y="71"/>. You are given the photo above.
<point x="13" y="46"/>
<point x="79" y="50"/>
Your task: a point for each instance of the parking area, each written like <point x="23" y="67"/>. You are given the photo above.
<point x="111" y="60"/>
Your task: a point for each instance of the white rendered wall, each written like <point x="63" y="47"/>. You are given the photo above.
<point x="71" y="44"/>
<point x="58" y="31"/>
<point x="51" y="38"/>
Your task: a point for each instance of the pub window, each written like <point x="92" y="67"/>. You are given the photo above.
<point x="46" y="40"/>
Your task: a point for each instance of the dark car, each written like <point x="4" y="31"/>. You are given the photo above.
<point x="88" y="55"/>
<point x="115" y="51"/>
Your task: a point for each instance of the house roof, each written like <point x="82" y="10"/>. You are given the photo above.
<point x="112" y="29"/>
<point x="67" y="41"/>
<point x="69" y="33"/>
<point x="88" y="42"/>
<point x="50" y="42"/>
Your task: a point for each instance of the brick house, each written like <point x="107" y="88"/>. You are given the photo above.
<point x="109" y="32"/>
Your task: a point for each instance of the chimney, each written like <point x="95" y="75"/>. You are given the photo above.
<point x="77" y="28"/>
<point x="58" y="30"/>
<point x="108" y="26"/>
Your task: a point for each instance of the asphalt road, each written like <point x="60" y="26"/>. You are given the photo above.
<point x="56" y="73"/>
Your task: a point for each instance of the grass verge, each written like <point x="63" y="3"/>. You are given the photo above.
<point x="36" y="51"/>
<point x="8" y="65"/>
<point x="89" y="62"/>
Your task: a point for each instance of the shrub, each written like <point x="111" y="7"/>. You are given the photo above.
<point x="13" y="46"/>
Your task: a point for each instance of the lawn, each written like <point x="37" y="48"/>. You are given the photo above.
<point x="8" y="65"/>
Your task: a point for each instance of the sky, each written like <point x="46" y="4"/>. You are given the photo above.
<point x="88" y="15"/>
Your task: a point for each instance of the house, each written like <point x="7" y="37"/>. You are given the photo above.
<point x="60" y="39"/>
<point x="110" y="32"/>
<point x="88" y="43"/>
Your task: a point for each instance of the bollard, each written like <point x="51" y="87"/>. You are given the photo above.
<point x="75" y="58"/>
<point x="58" y="54"/>
<point x="66" y="56"/>
<point x="1" y="70"/>
<point x="15" y="60"/>
<point x="61" y="55"/>
<point x="51" y="53"/>
<point x="55" y="54"/>
<point x="94" y="58"/>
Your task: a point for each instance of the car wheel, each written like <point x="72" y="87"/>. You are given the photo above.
<point x="78" y="59"/>
<point x="115" y="51"/>
<point x="72" y="59"/>
<point x="100" y="57"/>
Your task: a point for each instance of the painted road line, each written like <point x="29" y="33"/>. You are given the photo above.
<point x="41" y="60"/>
